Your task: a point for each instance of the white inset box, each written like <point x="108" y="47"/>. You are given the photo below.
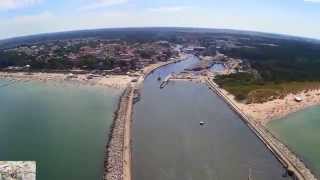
<point x="17" y="170"/>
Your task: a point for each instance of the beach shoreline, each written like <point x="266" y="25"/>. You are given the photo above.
<point x="110" y="81"/>
<point x="266" y="112"/>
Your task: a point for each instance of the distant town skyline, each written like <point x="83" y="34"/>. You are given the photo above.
<point x="292" y="17"/>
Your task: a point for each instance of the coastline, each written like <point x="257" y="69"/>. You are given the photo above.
<point x="117" y="160"/>
<point x="279" y="108"/>
<point x="112" y="81"/>
<point x="115" y="144"/>
<point x="287" y="158"/>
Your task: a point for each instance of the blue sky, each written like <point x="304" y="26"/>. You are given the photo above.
<point x="294" y="17"/>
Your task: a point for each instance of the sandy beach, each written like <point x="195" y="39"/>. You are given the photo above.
<point x="111" y="81"/>
<point x="279" y="108"/>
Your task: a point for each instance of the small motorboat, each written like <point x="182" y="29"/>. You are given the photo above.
<point x="250" y="175"/>
<point x="202" y="123"/>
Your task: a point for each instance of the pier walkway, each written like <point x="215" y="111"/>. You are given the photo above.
<point x="288" y="159"/>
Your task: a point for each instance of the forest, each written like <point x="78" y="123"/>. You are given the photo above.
<point x="282" y="67"/>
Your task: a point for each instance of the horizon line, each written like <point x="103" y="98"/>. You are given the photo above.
<point x="165" y="27"/>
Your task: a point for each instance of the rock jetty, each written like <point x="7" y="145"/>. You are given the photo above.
<point x="115" y="168"/>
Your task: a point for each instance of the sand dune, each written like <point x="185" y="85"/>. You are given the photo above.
<point x="279" y="108"/>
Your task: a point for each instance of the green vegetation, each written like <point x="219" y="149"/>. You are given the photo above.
<point x="11" y="58"/>
<point x="91" y="62"/>
<point x="249" y="88"/>
<point x="282" y="61"/>
<point x="146" y="54"/>
<point x="283" y="66"/>
<point x="40" y="62"/>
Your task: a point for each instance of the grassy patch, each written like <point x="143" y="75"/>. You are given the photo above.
<point x="247" y="87"/>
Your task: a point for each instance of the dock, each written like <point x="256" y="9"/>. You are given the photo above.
<point x="294" y="166"/>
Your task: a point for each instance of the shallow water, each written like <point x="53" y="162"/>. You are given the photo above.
<point x="61" y="126"/>
<point x="301" y="131"/>
<point x="169" y="143"/>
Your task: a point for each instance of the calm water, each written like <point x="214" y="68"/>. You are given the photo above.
<point x="217" y="67"/>
<point x="169" y="143"/>
<point x="301" y="131"/>
<point x="61" y="126"/>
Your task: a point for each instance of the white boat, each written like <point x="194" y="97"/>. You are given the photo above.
<point x="298" y="99"/>
<point x="250" y="175"/>
<point x="165" y="81"/>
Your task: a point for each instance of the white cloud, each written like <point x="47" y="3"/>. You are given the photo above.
<point x="165" y="9"/>
<point x="97" y="4"/>
<point x="31" y="19"/>
<point x="15" y="4"/>
<point x="313" y="1"/>
<point x="27" y="24"/>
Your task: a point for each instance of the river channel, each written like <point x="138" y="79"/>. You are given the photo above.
<point x="169" y="143"/>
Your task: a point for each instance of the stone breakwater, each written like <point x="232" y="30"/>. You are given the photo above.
<point x="289" y="160"/>
<point x="117" y="163"/>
